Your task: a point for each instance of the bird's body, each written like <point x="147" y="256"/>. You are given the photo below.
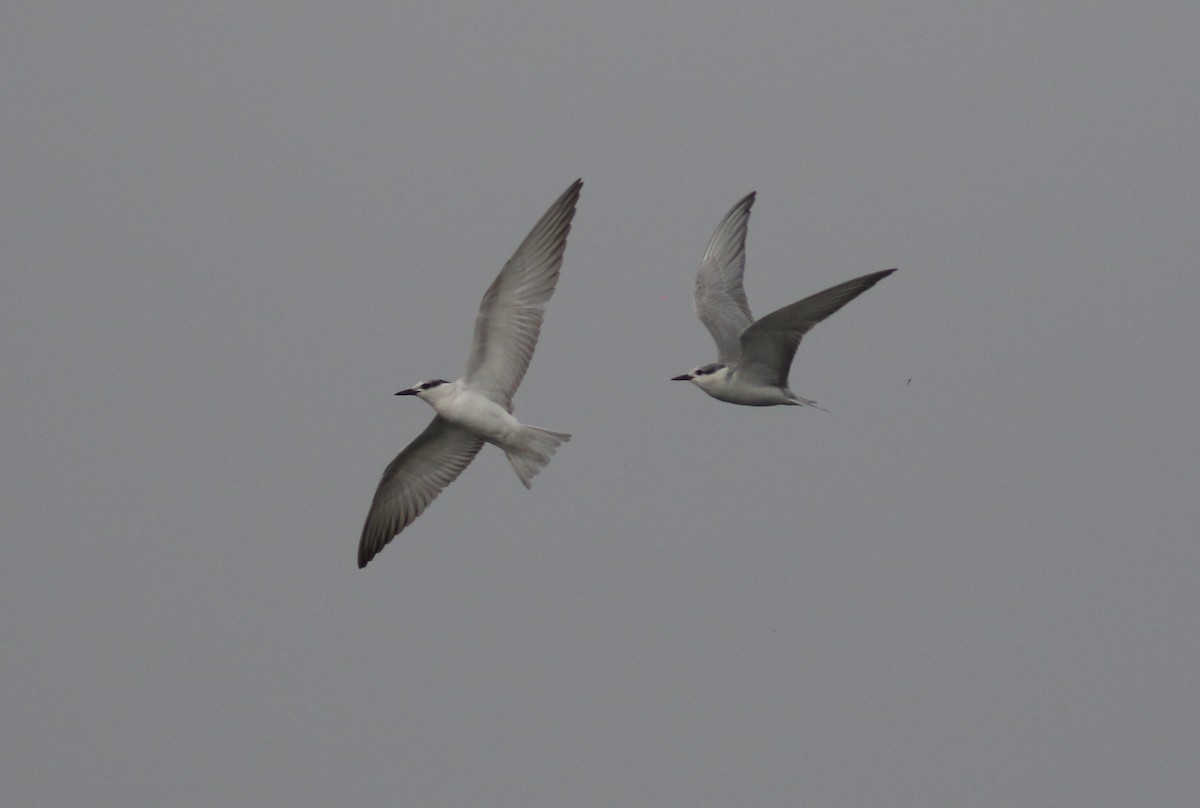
<point x="722" y="383"/>
<point x="754" y="357"/>
<point x="476" y="413"/>
<point x="477" y="408"/>
<point x="528" y="448"/>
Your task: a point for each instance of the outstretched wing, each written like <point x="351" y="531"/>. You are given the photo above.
<point x="510" y="316"/>
<point x="413" y="480"/>
<point x="720" y="299"/>
<point x="769" y="345"/>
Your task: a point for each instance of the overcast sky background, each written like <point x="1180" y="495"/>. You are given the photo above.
<point x="229" y="232"/>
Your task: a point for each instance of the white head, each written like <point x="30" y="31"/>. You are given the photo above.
<point x="706" y="377"/>
<point x="430" y="391"/>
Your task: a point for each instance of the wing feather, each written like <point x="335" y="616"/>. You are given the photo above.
<point x="769" y="345"/>
<point x="413" y="480"/>
<point x="510" y="316"/>
<point x="720" y="298"/>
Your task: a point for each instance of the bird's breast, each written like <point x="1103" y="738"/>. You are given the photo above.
<point x="737" y="391"/>
<point x="480" y="416"/>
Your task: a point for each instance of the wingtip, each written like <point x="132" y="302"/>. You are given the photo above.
<point x="743" y="205"/>
<point x="564" y="206"/>
<point x="873" y="278"/>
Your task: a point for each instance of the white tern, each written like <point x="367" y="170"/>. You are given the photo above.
<point x="477" y="407"/>
<point x="755" y="356"/>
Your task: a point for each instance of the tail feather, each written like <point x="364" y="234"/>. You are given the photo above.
<point x="533" y="451"/>
<point x="803" y="402"/>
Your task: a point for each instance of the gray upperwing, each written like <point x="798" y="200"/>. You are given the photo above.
<point x="720" y="298"/>
<point x="769" y="345"/>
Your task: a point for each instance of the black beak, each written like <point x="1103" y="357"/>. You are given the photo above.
<point x="687" y="377"/>
<point x="412" y="391"/>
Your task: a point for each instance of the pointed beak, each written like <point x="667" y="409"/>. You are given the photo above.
<point x="687" y="377"/>
<point x="412" y="391"/>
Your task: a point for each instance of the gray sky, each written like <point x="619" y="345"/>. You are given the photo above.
<point x="230" y="231"/>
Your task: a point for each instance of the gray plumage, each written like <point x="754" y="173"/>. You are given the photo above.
<point x="477" y="408"/>
<point x="754" y="357"/>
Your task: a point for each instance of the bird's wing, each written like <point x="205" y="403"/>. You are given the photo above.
<point x="510" y="316"/>
<point x="413" y="480"/>
<point x="769" y="345"/>
<point x="720" y="299"/>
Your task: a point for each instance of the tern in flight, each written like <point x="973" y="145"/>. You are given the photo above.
<point x="477" y="408"/>
<point x="754" y="356"/>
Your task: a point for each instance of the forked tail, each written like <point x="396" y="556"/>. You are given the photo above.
<point x="805" y="402"/>
<point x="533" y="452"/>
